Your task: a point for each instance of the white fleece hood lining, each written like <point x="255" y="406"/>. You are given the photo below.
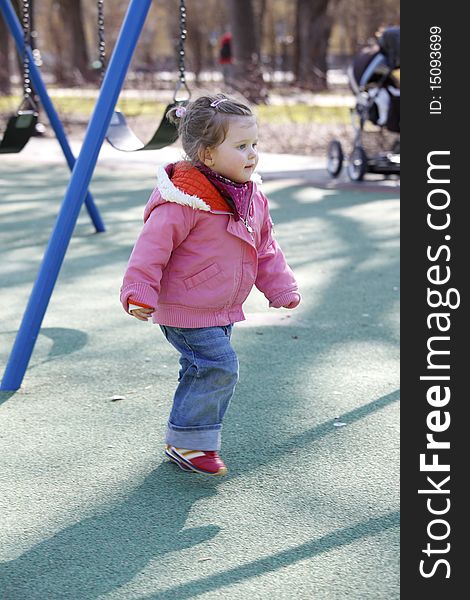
<point x="171" y="193"/>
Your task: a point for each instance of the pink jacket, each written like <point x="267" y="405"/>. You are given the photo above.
<point x="196" y="265"/>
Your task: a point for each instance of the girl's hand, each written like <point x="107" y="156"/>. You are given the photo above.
<point x="292" y="304"/>
<point x="142" y="313"/>
<point x="295" y="301"/>
<point x="289" y="300"/>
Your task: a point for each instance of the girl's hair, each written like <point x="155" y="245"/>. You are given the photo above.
<point x="205" y="122"/>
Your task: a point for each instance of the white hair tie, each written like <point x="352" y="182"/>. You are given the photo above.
<point x="216" y="103"/>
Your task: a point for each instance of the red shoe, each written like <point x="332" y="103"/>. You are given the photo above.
<point x="200" y="461"/>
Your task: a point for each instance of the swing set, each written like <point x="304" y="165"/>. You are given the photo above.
<point x="120" y="134"/>
<point x="22" y="125"/>
<point x="99" y="128"/>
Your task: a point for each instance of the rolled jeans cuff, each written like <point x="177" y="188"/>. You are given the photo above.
<point x="195" y="438"/>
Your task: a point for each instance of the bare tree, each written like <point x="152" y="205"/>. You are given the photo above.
<point x="359" y="20"/>
<point x="196" y="36"/>
<point x="248" y="76"/>
<point x="313" y="28"/>
<point x="261" y="10"/>
<point x="57" y="46"/>
<point x="294" y="35"/>
<point x="5" y="65"/>
<point x="69" y="39"/>
<point x="5" y="74"/>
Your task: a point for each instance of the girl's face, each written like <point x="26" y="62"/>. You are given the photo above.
<point x="237" y="156"/>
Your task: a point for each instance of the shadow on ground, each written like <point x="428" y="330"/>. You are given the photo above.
<point x="105" y="551"/>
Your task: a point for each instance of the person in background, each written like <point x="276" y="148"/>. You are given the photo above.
<point x="226" y="57"/>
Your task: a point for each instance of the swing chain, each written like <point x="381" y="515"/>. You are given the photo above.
<point x="181" y="54"/>
<point x="101" y="42"/>
<point x="26" y="22"/>
<point x="182" y="39"/>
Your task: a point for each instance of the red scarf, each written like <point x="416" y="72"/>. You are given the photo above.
<point x="237" y="195"/>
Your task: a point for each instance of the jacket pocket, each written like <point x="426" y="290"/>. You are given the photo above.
<point x="202" y="276"/>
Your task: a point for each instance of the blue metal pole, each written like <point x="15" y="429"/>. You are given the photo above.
<point x="75" y="194"/>
<point x="16" y="30"/>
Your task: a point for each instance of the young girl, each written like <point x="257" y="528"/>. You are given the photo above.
<point x="207" y="239"/>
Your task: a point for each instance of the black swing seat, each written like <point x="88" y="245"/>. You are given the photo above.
<point x="20" y="128"/>
<point x="121" y="136"/>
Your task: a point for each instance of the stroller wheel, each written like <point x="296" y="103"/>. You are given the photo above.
<point x="357" y="164"/>
<point x="335" y="158"/>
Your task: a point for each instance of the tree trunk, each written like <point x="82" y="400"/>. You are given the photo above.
<point x="313" y="25"/>
<point x="77" y="63"/>
<point x="60" y="66"/>
<point x="248" y="75"/>
<point x="5" y="73"/>
<point x="373" y="18"/>
<point x="195" y="39"/>
<point x="260" y="15"/>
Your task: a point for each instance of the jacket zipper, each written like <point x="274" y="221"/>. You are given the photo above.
<point x="245" y="220"/>
<point x="250" y="231"/>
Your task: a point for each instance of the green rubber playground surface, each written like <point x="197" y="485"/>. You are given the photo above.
<point x="89" y="507"/>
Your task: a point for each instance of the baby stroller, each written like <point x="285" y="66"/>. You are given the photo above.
<point x="377" y="93"/>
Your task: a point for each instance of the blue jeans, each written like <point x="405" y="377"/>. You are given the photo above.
<point x="207" y="380"/>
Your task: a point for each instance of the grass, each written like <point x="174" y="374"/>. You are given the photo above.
<point x="303" y="113"/>
<point x="282" y="113"/>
